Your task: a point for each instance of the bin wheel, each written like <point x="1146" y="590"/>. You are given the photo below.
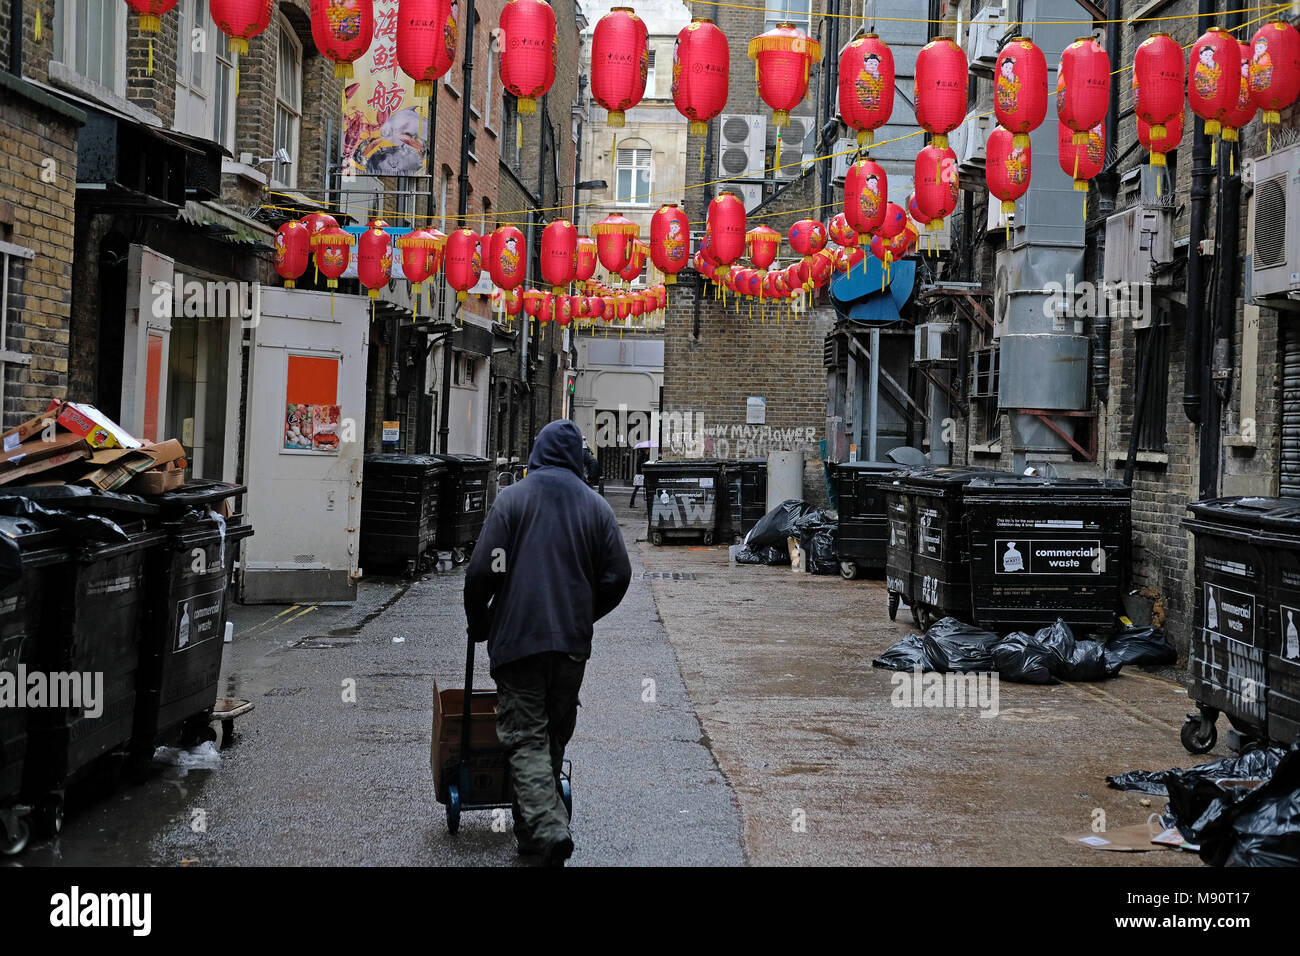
<point x="1199" y="734"/>
<point x="849" y="571"/>
<point x="196" y="731"/>
<point x="566" y="794"/>
<point x="453" y="808"/>
<point x="708" y="537"/>
<point x="458" y="555"/>
<point x="916" y="617"/>
<point x="137" y="766"/>
<point x="48" y="816"/>
<point x="227" y="733"/>
<point x="656" y="538"/>
<point x="893" y="605"/>
<point x="13" y="838"/>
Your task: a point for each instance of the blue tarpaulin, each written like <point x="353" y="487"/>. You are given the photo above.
<point x="859" y="295"/>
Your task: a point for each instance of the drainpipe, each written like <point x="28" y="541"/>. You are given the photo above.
<point x="424" y="430"/>
<point x="1108" y="189"/>
<point x="1200" y="198"/>
<point x="16" y="37"/>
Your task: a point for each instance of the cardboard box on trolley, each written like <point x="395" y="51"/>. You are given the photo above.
<point x="489" y="770"/>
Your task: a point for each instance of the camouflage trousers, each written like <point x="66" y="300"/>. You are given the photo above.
<point x="537" y="709"/>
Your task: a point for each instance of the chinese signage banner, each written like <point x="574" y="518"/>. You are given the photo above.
<point x="385" y="128"/>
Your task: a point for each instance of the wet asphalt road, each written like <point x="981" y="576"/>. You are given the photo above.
<point x="796" y="756"/>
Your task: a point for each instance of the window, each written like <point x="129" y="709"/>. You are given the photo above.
<point x="288" y="104"/>
<point x="1151" y="431"/>
<point x="633" y="177"/>
<point x="463" y="368"/>
<point x="442" y="202"/>
<point x="491" y="88"/>
<point x="510" y="132"/>
<point x="795" y="11"/>
<point x="650" y="77"/>
<point x="90" y="38"/>
<point x="460" y="39"/>
<point x="204" y="76"/>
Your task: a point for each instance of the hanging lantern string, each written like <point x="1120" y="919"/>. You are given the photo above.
<point x="774" y="12"/>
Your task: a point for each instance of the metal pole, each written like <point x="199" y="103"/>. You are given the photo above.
<point x="874" y="389"/>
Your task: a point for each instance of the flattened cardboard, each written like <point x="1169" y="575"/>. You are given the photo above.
<point x="1131" y="839"/>
<point x="20" y="433"/>
<point x="95" y="427"/>
<point x="77" y="453"/>
<point x="36" y="449"/>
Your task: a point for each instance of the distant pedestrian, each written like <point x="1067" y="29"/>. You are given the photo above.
<point x="549" y="562"/>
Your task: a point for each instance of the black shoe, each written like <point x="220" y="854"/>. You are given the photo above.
<point x="529" y="848"/>
<point x="557" y="853"/>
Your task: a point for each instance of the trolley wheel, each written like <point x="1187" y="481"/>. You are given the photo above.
<point x="893" y="605"/>
<point x="849" y="571"/>
<point x="1199" y="734"/>
<point x="566" y="794"/>
<point x="656" y="538"/>
<point x="453" y="808"/>
<point x="48" y="815"/>
<point x="227" y="733"/>
<point x="708" y="537"/>
<point x="458" y="555"/>
<point x="196" y="731"/>
<point x="13" y="840"/>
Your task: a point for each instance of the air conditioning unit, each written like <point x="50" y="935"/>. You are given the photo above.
<point x="842" y="158"/>
<point x="742" y="144"/>
<point x="997" y="219"/>
<point x="934" y="342"/>
<point x="1275" y="218"/>
<point x="1137" y="240"/>
<point x="973" y="140"/>
<point x="795" y="146"/>
<point x="751" y="194"/>
<point x="987" y="28"/>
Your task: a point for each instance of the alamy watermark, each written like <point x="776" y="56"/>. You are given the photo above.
<point x="207" y="299"/>
<point x="1084" y="300"/>
<point x="977" y="690"/>
<point x="57" y="690"/>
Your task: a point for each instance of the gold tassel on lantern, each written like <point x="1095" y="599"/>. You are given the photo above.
<point x="149" y="68"/>
<point x="37" y="34"/>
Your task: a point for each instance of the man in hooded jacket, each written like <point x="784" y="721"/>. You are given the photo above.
<point x="549" y="562"/>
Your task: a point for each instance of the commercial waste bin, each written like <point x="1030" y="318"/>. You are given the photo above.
<point x="746" y="484"/>
<point x="30" y="556"/>
<point x="1279" y="544"/>
<point x="863" y="532"/>
<point x="462" y="503"/>
<point x="1228" y="646"/>
<point x="682" y="499"/>
<point x="399" y="510"/>
<point x="187" y="578"/>
<point x="1047" y="548"/>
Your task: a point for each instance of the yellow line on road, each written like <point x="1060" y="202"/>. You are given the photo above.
<point x="274" y="620"/>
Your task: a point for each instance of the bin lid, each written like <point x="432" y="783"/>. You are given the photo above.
<point x="1257" y="513"/>
<point x="882" y="467"/>
<point x="948" y="476"/>
<point x="82" y="499"/>
<point x="1037" y="486"/>
<point x="462" y="461"/>
<point x="689" y="465"/>
<point x="198" y="494"/>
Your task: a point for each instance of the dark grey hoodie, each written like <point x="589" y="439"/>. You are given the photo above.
<point x="550" y="560"/>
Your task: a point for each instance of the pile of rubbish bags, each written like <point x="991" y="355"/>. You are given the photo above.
<point x="1238" y="811"/>
<point x="814" y="528"/>
<point x="1050" y="656"/>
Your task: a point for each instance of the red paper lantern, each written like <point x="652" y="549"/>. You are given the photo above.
<point x="894" y="222"/>
<point x="1158" y="81"/>
<point x="342" y="31"/>
<point x="637" y="306"/>
<point x="548" y="308"/>
<point x="670" y="241"/>
<point x="1020" y="89"/>
<point x="701" y="69"/>
<point x="841" y="232"/>
<point x="807" y="237"/>
<point x="661" y="297"/>
<point x="584" y="259"/>
<point x="1159" y="147"/>
<point x="822" y="266"/>
<point x="332" y="247"/>
<point x="620" y="60"/>
<point x="421" y="251"/>
<point x="1007" y="167"/>
<point x="1274" y="73"/>
<point x="462" y="263"/>
<point x="782" y="58"/>
<point x="726" y="226"/>
<point x="562" y="308"/>
<point x="866" y="86"/>
<point x="1081" y="161"/>
<point x="1214" y="78"/>
<point x="512" y="301"/>
<point x="507" y="255"/>
<point x="427" y="35"/>
<point x="941" y="88"/>
<point x="374" y="260"/>
<point x="764" y="242"/>
<point x="292" y="250"/>
<point x="866" y="193"/>
<point x="610" y="312"/>
<point x="241" y="20"/>
<point x="559" y="252"/>
<point x="150" y="14"/>
<point x="614" y="237"/>
<point x="595" y="307"/>
<point x="936" y="185"/>
<point x="892" y="249"/>
<point x="533" y="300"/>
<point x="1244" y="109"/>
<point x="528" y="42"/>
<point x="1083" y="86"/>
<point x="317" y="221"/>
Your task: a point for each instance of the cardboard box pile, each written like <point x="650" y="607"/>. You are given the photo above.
<point x="71" y="443"/>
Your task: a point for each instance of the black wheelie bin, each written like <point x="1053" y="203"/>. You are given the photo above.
<point x="462" y="503"/>
<point x="186" y="606"/>
<point x="682" y="499"/>
<point x="1047" y="548"/>
<point x="30" y="555"/>
<point x="399" y="510"/>
<point x="861" y="487"/>
<point x="1227" y="658"/>
<point x="1279" y="543"/>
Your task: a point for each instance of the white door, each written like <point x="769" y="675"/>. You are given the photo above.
<point x="303" y="447"/>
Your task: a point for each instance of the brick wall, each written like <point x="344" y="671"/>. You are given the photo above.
<point x="37" y="215"/>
